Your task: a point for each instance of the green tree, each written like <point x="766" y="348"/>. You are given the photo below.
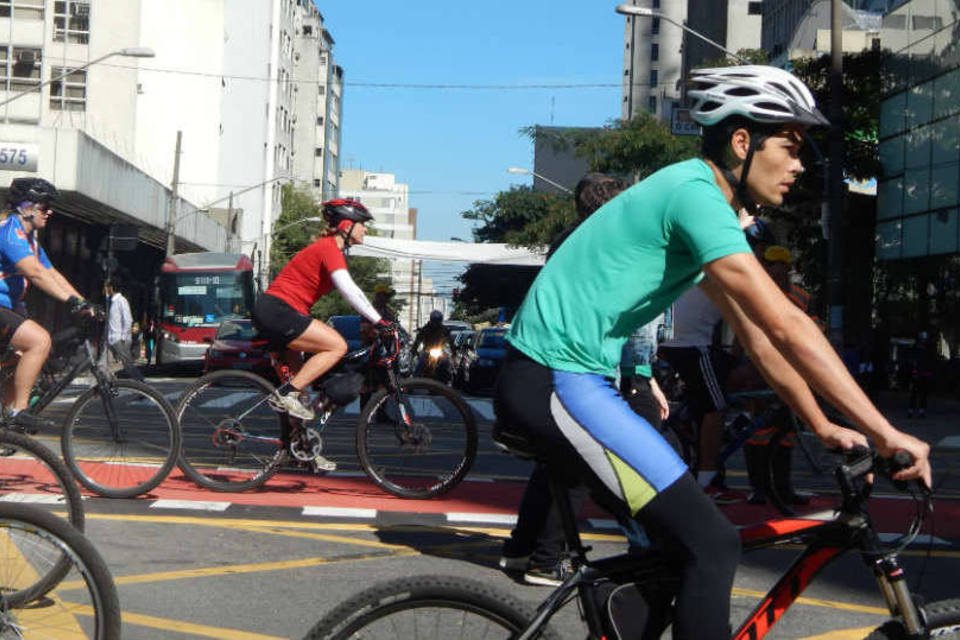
<point x="521" y="216"/>
<point x="294" y="232"/>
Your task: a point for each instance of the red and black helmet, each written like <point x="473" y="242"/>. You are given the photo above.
<point x="336" y="211"/>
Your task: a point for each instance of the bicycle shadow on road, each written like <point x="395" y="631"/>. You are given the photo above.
<point x="477" y="546"/>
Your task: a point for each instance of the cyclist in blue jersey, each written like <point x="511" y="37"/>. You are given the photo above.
<point x="23" y="262"/>
<point x="620" y="269"/>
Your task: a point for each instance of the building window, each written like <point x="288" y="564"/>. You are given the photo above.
<point x="318" y="152"/>
<point x="70" y="93"/>
<point x="654" y="78"/>
<point x="319" y="121"/>
<point x="654" y="52"/>
<point x="71" y="21"/>
<point x="308" y="29"/>
<point x="652" y="104"/>
<point x="26" y="9"/>
<point x="317" y="183"/>
<point x="655" y="25"/>
<point x="755" y="9"/>
<point x="322" y="90"/>
<point x="920" y="23"/>
<point x="24" y="69"/>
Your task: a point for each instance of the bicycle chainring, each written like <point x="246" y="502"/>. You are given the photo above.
<point x="306" y="445"/>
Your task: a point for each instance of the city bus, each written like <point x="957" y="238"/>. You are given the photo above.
<point x="196" y="291"/>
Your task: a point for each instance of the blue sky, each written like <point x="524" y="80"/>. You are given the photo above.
<point x="452" y="146"/>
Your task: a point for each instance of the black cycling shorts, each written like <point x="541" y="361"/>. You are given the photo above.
<point x="278" y="322"/>
<point x="10" y="321"/>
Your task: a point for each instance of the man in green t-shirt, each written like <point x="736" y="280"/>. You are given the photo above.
<point x="620" y="269"/>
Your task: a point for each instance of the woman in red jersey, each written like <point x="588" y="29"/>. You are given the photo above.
<point x="282" y="313"/>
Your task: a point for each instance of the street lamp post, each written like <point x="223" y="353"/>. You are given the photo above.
<point x="527" y="172"/>
<point x="633" y="10"/>
<point x="129" y="52"/>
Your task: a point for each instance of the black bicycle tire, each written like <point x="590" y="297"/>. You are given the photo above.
<point x="451" y="481"/>
<point x="188" y="468"/>
<point x="72" y="497"/>
<point x="404" y="594"/>
<point x="942" y="615"/>
<point x="84" y="555"/>
<point x="170" y="458"/>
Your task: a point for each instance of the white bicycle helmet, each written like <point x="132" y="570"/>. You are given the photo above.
<point x="761" y="93"/>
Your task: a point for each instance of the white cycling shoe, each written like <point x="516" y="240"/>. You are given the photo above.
<point x="324" y="464"/>
<point x="290" y="403"/>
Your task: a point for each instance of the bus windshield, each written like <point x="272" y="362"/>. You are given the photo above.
<point x="198" y="299"/>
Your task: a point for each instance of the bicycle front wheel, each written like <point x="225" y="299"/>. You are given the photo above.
<point x="32" y="473"/>
<point x="426" y="607"/>
<point x="423" y="450"/>
<point x="121" y="440"/>
<point x="84" y="605"/>
<point x="942" y="617"/>
<point x="231" y="435"/>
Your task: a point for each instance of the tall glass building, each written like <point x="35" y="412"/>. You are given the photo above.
<point x="918" y="233"/>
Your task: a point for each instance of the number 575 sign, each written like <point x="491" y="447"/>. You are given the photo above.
<point x="18" y="156"/>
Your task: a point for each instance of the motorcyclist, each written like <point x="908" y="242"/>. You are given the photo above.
<point x="432" y="335"/>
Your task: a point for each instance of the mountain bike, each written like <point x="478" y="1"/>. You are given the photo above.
<point x="120" y="437"/>
<point x="642" y="585"/>
<point x="415" y="438"/>
<point x="85" y="605"/>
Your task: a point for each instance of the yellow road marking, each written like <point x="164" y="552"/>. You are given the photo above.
<point x="282" y="531"/>
<point x="844" y="634"/>
<point x="167" y="625"/>
<point x="816" y="602"/>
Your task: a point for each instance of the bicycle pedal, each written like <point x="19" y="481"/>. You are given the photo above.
<point x="322" y="464"/>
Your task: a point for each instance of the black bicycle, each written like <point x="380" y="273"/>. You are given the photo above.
<point x="416" y="438"/>
<point x="81" y="603"/>
<point x="120" y="437"/>
<point x="641" y="586"/>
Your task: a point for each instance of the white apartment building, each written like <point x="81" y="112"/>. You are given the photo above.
<point x="801" y="28"/>
<point x="652" y="61"/>
<point x="225" y="74"/>
<point x="317" y="109"/>
<point x="389" y="202"/>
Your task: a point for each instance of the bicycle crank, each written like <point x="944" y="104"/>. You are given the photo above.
<point x="306" y="445"/>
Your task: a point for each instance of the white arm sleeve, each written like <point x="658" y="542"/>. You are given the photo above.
<point x="352" y="293"/>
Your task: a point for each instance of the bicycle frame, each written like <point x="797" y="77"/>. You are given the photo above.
<point x="825" y="541"/>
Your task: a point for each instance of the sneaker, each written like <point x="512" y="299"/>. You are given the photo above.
<point x="546" y="576"/>
<point x="723" y="496"/>
<point x="290" y="403"/>
<point x="27" y="422"/>
<point x="324" y="464"/>
<point x="513" y="563"/>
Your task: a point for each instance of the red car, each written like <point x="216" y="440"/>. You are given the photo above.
<point x="232" y="348"/>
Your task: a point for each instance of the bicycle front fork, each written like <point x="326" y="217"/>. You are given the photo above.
<point x="896" y="592"/>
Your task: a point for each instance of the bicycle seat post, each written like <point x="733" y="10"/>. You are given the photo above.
<point x="571" y="533"/>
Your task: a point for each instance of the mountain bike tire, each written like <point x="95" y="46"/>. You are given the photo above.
<point x="125" y="452"/>
<point x="30" y="472"/>
<point x="942" y="621"/>
<point x="215" y="414"/>
<point x="29" y="539"/>
<point x="427" y="606"/>
<point x="430" y="456"/>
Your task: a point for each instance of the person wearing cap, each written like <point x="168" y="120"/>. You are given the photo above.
<point x="23" y="262"/>
<point x="619" y="270"/>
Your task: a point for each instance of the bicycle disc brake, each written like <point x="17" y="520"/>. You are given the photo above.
<point x="229" y="433"/>
<point x="416" y="436"/>
<point x="306" y="445"/>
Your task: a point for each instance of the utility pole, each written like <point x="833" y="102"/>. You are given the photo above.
<point x="230" y="224"/>
<point x="174" y="207"/>
<point x="835" y="167"/>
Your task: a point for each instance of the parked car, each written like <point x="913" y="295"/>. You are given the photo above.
<point x="481" y="361"/>
<point x="233" y="348"/>
<point x="350" y="328"/>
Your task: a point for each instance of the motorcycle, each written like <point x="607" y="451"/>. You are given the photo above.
<point x="434" y="362"/>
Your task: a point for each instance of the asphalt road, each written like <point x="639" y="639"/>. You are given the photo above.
<point x="194" y="564"/>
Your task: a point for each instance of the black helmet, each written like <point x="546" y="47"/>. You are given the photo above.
<point x="35" y="190"/>
<point x="436" y="316"/>
<point x="336" y="211"/>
